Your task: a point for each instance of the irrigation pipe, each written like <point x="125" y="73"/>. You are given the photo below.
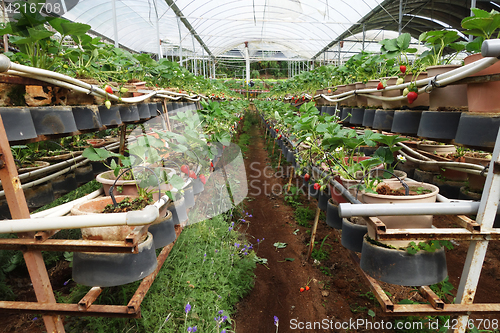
<point x="438" y="80"/>
<point x="134" y="218"/>
<point x="66" y="208"/>
<point x="68" y="82"/>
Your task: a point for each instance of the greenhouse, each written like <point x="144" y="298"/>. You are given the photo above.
<point x="249" y="166"/>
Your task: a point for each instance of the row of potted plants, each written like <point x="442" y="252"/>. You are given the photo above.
<point x="156" y="162"/>
<point x="324" y="150"/>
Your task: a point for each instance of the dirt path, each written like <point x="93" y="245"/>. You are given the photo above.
<point x="276" y="291"/>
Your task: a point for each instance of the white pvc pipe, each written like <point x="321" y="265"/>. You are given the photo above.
<point x="66" y="208"/>
<point x="452" y="208"/>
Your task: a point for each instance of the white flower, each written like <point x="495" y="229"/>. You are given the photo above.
<point x="338" y="149"/>
<point x="401" y="158"/>
<point x="308" y="138"/>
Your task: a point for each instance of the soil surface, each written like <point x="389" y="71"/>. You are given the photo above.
<point x="338" y="292"/>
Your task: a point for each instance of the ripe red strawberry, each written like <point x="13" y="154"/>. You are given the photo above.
<point x="412" y="96"/>
<point x="307" y="288"/>
<point x="316" y="186"/>
<point x="212" y="164"/>
<point x="402" y="68"/>
<point x="277" y="130"/>
<point x="380" y="86"/>
<point x="293" y="98"/>
<point x="329" y="90"/>
<point x="185" y="169"/>
<point x="301" y="289"/>
<point x="192" y="174"/>
<point x="279" y="137"/>
<point x="108" y="89"/>
<point x="307" y="177"/>
<point x="202" y="178"/>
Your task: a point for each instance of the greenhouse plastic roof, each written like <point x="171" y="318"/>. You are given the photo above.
<point x="275" y="29"/>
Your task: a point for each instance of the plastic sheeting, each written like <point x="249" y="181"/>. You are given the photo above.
<point x="280" y="29"/>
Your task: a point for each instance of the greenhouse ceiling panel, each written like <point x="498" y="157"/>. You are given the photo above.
<point x="294" y="28"/>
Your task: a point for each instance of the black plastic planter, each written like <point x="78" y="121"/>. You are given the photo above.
<point x="53" y="120"/>
<point x="129" y="113"/>
<point x="198" y="186"/>
<point x="323" y="199"/>
<point x="406" y="122"/>
<point x="188" y="197"/>
<point x="39" y="195"/>
<point x="110" y="117"/>
<point x="398" y="267"/>
<point x="84" y="174"/>
<point x="312" y="192"/>
<point x="352" y="235"/>
<point x="144" y="112"/>
<point x="368" y="117"/>
<point x="439" y="124"/>
<point x="178" y="209"/>
<point x="64" y="184"/>
<point x="478" y="130"/>
<point x="330" y="110"/>
<point x="357" y="116"/>
<point x="345" y="117"/>
<point x="163" y="232"/>
<point x="114" y="269"/>
<point x="332" y="215"/>
<point x="87" y="117"/>
<point x="18" y="123"/>
<point x="159" y="107"/>
<point x="383" y="120"/>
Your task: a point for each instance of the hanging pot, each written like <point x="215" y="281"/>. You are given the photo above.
<point x="402" y="222"/>
<point x="447" y="98"/>
<point x="198" y="186"/>
<point x="114" y="269"/>
<point x="368" y="117"/>
<point x="323" y="199"/>
<point x="178" y="209"/>
<point x="383" y="120"/>
<point x="353" y="234"/>
<point x="373" y="103"/>
<point x="482" y="97"/>
<point x="439" y="125"/>
<point x="391" y="105"/>
<point x="332" y="215"/>
<point x="398" y="267"/>
<point x="406" y="122"/>
<point x="163" y="232"/>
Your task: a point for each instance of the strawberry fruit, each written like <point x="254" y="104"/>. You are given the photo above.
<point x="301" y="289"/>
<point x="192" y="174"/>
<point x="412" y="96"/>
<point x="380" y="86"/>
<point x="402" y="68"/>
<point x="307" y="177"/>
<point x="108" y="89"/>
<point x="202" y="178"/>
<point x="307" y="288"/>
<point x="316" y="186"/>
<point x="185" y="169"/>
<point x="277" y="130"/>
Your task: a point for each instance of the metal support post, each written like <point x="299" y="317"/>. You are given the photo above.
<point x="194" y="58"/>
<point x="115" y="22"/>
<point x="477" y="249"/>
<point x="400" y="22"/>
<point x="180" y="40"/>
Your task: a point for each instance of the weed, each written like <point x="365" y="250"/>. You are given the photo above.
<point x="325" y="270"/>
<point x="303" y="215"/>
<point x="320" y="254"/>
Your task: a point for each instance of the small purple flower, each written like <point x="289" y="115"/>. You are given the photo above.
<point x="221" y="311"/>
<point x="246" y="253"/>
<point x="66" y="282"/>
<point x="187" y="308"/>
<point x="237" y="245"/>
<point x="243" y="220"/>
<point x="250" y="247"/>
<point x="216" y="250"/>
<point x="195" y="329"/>
<point x="224" y="318"/>
<point x="223" y="331"/>
<point x="36" y="318"/>
<point x="250" y="215"/>
<point x="232" y="224"/>
<point x="276" y="321"/>
<point x="205" y="255"/>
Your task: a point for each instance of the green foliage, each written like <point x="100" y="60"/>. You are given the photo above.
<point x="482" y="24"/>
<point x="320" y="254"/>
<point x="303" y="215"/>
<point x="430" y="246"/>
<point x="437" y="41"/>
<point x="209" y="283"/>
